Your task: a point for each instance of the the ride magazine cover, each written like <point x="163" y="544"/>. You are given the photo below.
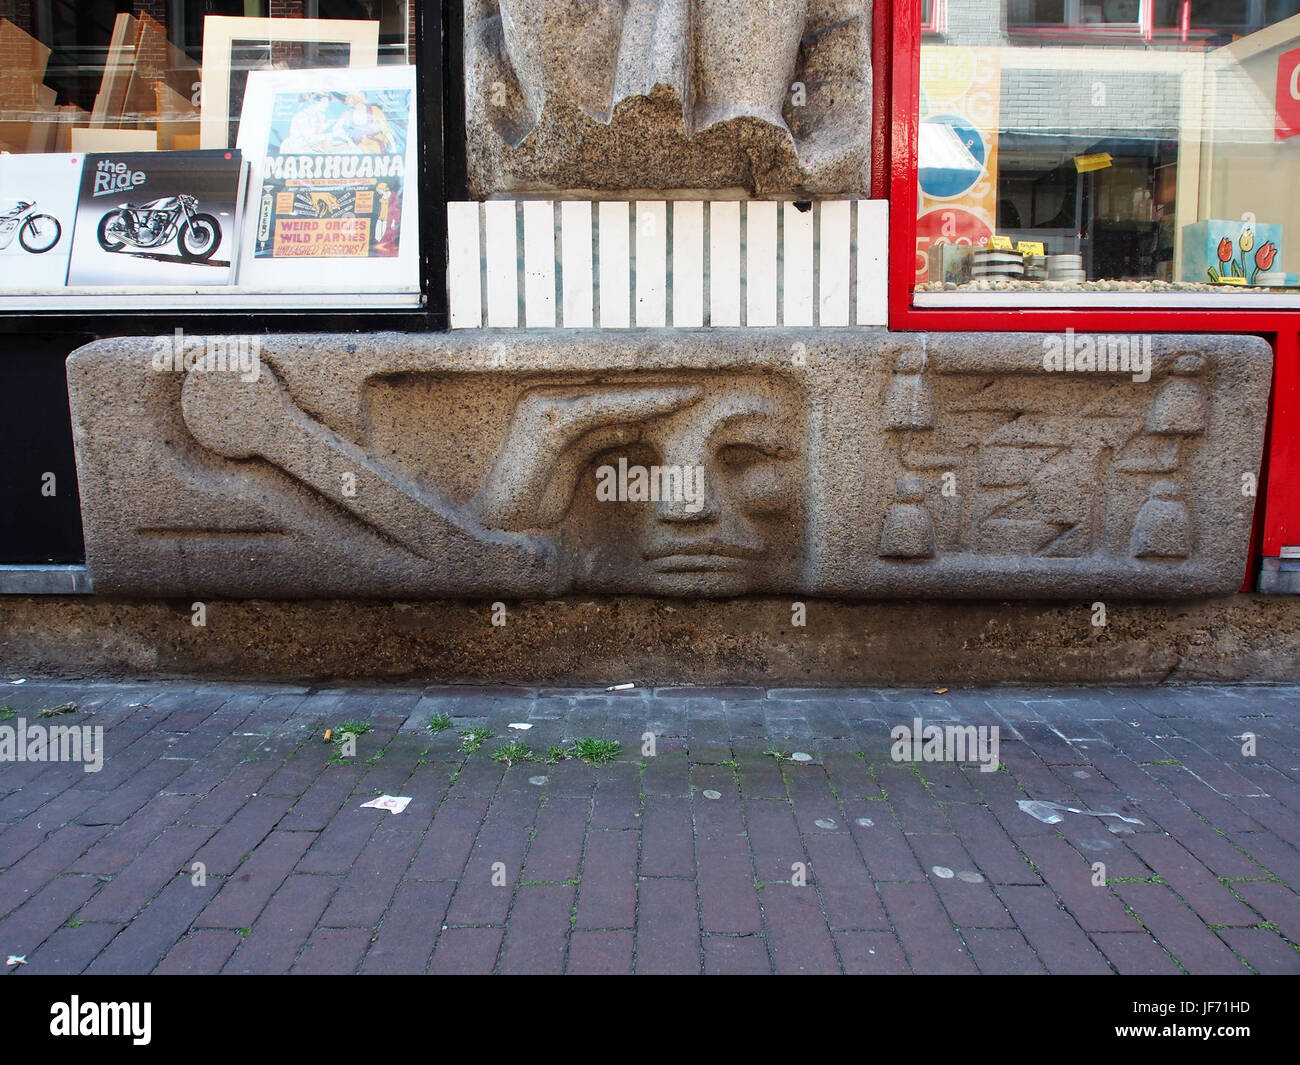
<point x="333" y="174"/>
<point x="157" y="218"/>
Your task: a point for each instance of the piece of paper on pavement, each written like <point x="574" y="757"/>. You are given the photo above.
<point x="394" y="804"/>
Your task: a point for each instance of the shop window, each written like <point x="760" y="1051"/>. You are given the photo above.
<point x="208" y="154"/>
<point x="934" y="16"/>
<point x="1158" y="161"/>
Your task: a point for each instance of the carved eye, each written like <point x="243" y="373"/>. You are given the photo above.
<point x="741" y="456"/>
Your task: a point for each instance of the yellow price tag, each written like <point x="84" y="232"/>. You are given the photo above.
<point x="1099" y="161"/>
<point x="1000" y="244"/>
<point x="1031" y="247"/>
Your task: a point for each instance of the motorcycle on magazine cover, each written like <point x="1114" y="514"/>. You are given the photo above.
<point x="37" y="233"/>
<point x="158" y="222"/>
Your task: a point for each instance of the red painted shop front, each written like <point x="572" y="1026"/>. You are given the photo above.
<point x="1117" y="135"/>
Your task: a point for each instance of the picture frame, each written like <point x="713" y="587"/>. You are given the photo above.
<point x="224" y="37"/>
<point x="353" y="215"/>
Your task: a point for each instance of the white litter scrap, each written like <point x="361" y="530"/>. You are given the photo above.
<point x="394" y="804"/>
<point x="522" y="726"/>
<point x="17" y="959"/>
<point x="1050" y="812"/>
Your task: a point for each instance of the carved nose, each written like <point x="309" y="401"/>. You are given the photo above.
<point x="694" y="503"/>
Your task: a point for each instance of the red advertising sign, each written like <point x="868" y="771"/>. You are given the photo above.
<point x="1288" y="94"/>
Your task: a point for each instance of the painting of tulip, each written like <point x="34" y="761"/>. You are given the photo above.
<point x="1230" y="253"/>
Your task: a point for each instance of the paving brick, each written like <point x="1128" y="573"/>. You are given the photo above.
<point x="618" y="797"/>
<point x="332" y="951"/>
<point x="1071" y="876"/>
<point x="989" y="846"/>
<point x="882" y="843"/>
<point x="668" y="928"/>
<point x="1180" y="932"/>
<point x="282" y="928"/>
<point x="774" y="838"/>
<point x="607" y="898"/>
<point x="1196" y="884"/>
<point x="1001" y="951"/>
<point x="201" y="954"/>
<point x="538" y="930"/>
<point x="336" y="849"/>
<point x="45" y="910"/>
<point x="41" y="865"/>
<point x="116" y="849"/>
<point x="1264" y="950"/>
<point x="498" y="854"/>
<point x="243" y="896"/>
<point x="1271" y="853"/>
<point x="736" y="956"/>
<point x="924" y="929"/>
<point x="843" y="884"/>
<point x="322" y="799"/>
<point x="556" y="851"/>
<point x="466" y="951"/>
<point x="667" y="837"/>
<point x="36" y="827"/>
<point x="372" y="881"/>
<point x="1276" y="903"/>
<point x="970" y="905"/>
<point x="1053" y="933"/>
<point x="761" y="776"/>
<point x="447" y="844"/>
<point x="161" y="863"/>
<point x="725" y="873"/>
<point x="222" y="802"/>
<point x="600" y="953"/>
<point x="225" y="850"/>
<point x="150" y="937"/>
<point x="1135" y="954"/>
<point x="69" y="950"/>
<point x="1212" y="848"/>
<point x="801" y="939"/>
<point x="871" y="953"/>
<point x="406" y="939"/>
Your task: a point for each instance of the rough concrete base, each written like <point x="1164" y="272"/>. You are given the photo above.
<point x="657" y="641"/>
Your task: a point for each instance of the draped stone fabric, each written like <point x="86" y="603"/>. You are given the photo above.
<point x="762" y="96"/>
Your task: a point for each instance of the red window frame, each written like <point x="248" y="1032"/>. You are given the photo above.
<point x="896" y="114"/>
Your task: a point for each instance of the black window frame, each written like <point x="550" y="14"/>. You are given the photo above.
<point x="438" y="51"/>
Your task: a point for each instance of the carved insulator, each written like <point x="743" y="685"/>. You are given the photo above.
<point x="1180" y="408"/>
<point x="1163" y="528"/>
<point x="909" y="399"/>
<point x="909" y="529"/>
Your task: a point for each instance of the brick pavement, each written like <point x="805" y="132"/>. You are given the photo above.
<point x="767" y="831"/>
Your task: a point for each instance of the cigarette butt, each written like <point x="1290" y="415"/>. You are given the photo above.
<point x="620" y="687"/>
<point x="329" y="734"/>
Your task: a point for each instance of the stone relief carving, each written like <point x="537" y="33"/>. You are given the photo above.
<point x="877" y="465"/>
<point x="769" y="97"/>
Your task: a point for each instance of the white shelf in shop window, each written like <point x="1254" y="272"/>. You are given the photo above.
<point x="209" y="299"/>
<point x="1133" y="300"/>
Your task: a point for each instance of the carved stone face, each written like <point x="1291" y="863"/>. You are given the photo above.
<point x="738" y="524"/>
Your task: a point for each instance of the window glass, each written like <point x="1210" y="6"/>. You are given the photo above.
<point x="132" y="163"/>
<point x="1112" y="145"/>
